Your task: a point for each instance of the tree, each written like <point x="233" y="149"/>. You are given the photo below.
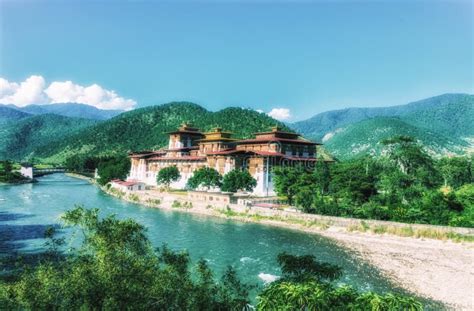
<point x="168" y="175"/>
<point x="306" y="284"/>
<point x="456" y="171"/>
<point x="237" y="180"/>
<point x="410" y="158"/>
<point x="285" y="181"/>
<point x="205" y="177"/>
<point x="112" y="168"/>
<point x="115" y="268"/>
<point x="354" y="180"/>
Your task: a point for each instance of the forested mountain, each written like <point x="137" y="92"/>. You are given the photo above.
<point x="69" y="110"/>
<point x="443" y="124"/>
<point x="365" y="137"/>
<point x="435" y="113"/>
<point x="8" y="115"/>
<point x="147" y="128"/>
<point x="20" y="139"/>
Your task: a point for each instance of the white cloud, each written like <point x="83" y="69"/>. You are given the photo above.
<point x="33" y="91"/>
<point x="25" y="93"/>
<point x="259" y="110"/>
<point x="280" y="114"/>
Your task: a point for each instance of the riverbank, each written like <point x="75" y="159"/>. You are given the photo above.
<point x="425" y="260"/>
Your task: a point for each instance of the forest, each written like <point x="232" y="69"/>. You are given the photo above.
<point x="405" y="184"/>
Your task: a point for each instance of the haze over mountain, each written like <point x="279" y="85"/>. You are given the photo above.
<point x="74" y="110"/>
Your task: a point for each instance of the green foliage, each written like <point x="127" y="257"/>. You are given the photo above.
<point x="168" y="175"/>
<point x="21" y="140"/>
<point x="236" y="180"/>
<point x="7" y="175"/>
<point x="404" y="185"/>
<point x="440" y="122"/>
<point x="456" y="171"/>
<point x="305" y="285"/>
<point x="204" y="177"/>
<point x="147" y="128"/>
<point x="285" y="180"/>
<point x="113" y="168"/>
<point x="116" y="268"/>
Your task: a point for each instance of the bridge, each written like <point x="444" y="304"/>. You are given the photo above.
<point x="45" y="171"/>
<point x="31" y="172"/>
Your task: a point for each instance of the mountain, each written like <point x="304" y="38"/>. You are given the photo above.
<point x="364" y="137"/>
<point x="146" y="128"/>
<point x="8" y="115"/>
<point x="21" y="138"/>
<point x="69" y="110"/>
<point x="435" y="113"/>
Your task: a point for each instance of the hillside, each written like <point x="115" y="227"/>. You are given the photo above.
<point x="20" y="139"/>
<point x="73" y="110"/>
<point x="8" y="115"/>
<point x="146" y="128"/>
<point x="364" y="138"/>
<point x="435" y="113"/>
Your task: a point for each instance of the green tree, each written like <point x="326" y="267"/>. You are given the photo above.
<point x="285" y="181"/>
<point x="354" y="180"/>
<point x="168" y="175"/>
<point x="456" y="171"/>
<point x="307" y="284"/>
<point x="236" y="180"/>
<point x="114" y="268"/>
<point x="113" y="168"/>
<point x="205" y="177"/>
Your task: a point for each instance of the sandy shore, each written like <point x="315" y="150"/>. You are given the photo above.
<point x="435" y="269"/>
<point x="438" y="270"/>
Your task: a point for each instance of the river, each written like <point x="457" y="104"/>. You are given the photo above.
<point x="27" y="209"/>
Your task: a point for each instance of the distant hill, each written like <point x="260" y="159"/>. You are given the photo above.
<point x="69" y="110"/>
<point x="364" y="137"/>
<point x="8" y="115"/>
<point x="147" y="128"/>
<point x="434" y="113"/>
<point x="444" y="124"/>
<point x="22" y="138"/>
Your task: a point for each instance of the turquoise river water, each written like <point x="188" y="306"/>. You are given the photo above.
<point x="26" y="210"/>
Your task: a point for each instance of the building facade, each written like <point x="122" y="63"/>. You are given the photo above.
<point x="189" y="149"/>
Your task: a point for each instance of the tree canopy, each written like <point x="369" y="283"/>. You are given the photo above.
<point x="238" y="180"/>
<point x="167" y="175"/>
<point x="205" y="177"/>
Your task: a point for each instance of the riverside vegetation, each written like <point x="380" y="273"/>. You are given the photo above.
<point x="116" y="268"/>
<point x="406" y="184"/>
<point x="7" y="175"/>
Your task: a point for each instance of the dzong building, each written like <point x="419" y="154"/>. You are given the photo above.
<point x="190" y="149"/>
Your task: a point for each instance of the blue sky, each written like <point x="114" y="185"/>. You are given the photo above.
<point x="307" y="57"/>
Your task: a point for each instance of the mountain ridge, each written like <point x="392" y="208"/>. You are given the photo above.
<point x="74" y="110"/>
<point x="320" y="124"/>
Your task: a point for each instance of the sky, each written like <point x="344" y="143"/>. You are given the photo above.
<point x="291" y="59"/>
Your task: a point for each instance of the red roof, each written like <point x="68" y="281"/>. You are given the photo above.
<point x="126" y="183"/>
<point x="183" y="158"/>
<point x="145" y="154"/>
<point x="226" y="151"/>
<point x="276" y="139"/>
